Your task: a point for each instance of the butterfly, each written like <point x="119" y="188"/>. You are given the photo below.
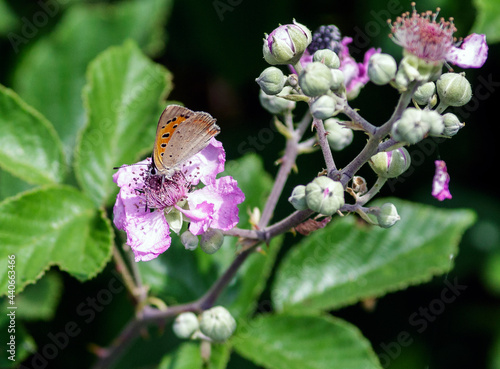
<point x="181" y="133"/>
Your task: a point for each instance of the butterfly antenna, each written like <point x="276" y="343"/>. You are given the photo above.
<point x="129" y="165"/>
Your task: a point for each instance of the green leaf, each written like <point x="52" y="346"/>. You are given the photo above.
<point x="8" y="19"/>
<point x="488" y="19"/>
<point x="52" y="226"/>
<point x="347" y="262"/>
<point x="39" y="301"/>
<point x="123" y="99"/>
<point x="304" y="342"/>
<point x="51" y="73"/>
<point x="188" y="356"/>
<point x="24" y="345"/>
<point x="181" y="276"/>
<point x="29" y="146"/>
<point x="11" y="185"/>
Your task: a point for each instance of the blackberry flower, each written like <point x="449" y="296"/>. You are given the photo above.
<point x="432" y="41"/>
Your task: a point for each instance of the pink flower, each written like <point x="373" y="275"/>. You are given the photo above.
<point x="422" y="36"/>
<point x="441" y="181"/>
<point x="355" y="74"/>
<point x="144" y="200"/>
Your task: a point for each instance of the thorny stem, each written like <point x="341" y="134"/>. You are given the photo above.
<point x="325" y="147"/>
<point x="372" y="192"/>
<point x="379" y="134"/>
<point x="287" y="162"/>
<point x="128" y="280"/>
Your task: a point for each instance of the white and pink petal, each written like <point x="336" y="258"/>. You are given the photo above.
<point x="472" y="52"/>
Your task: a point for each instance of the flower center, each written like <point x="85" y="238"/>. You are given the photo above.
<point x="161" y="192"/>
<point x="422" y="36"/>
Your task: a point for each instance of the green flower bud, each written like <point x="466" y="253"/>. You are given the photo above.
<point x="271" y="80"/>
<point x="435" y="121"/>
<point x="382" y="68"/>
<point x="454" y="89"/>
<point x="275" y="104"/>
<point x="185" y="325"/>
<point x="292" y="80"/>
<point x="410" y="127"/>
<point x="174" y="219"/>
<point x="412" y="68"/>
<point x="323" y="107"/>
<point x="315" y="79"/>
<point x="338" y="136"/>
<point x="286" y="44"/>
<point x="298" y="198"/>
<point x="390" y="164"/>
<point x="217" y="323"/>
<point x="211" y="240"/>
<point x="189" y="240"/>
<point x="388" y="215"/>
<point x="327" y="57"/>
<point x="424" y="93"/>
<point x="324" y="195"/>
<point x="451" y="124"/>
<point x="338" y="78"/>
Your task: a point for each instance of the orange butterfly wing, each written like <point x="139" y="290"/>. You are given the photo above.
<point x="180" y="134"/>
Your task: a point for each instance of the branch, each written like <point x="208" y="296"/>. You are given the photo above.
<point x="372" y="145"/>
<point x="325" y="147"/>
<point x="287" y="163"/>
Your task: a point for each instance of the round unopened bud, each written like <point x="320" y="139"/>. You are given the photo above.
<point x="315" y="79"/>
<point x="451" y="124"/>
<point x="275" y="104"/>
<point x="185" y="325"/>
<point x="327" y="57"/>
<point x="388" y="215"/>
<point x="338" y="78"/>
<point x="189" y="240"/>
<point x="390" y="164"/>
<point x="382" y="68"/>
<point x="298" y="198"/>
<point x="217" y="323"/>
<point x="425" y="93"/>
<point x="435" y="122"/>
<point x="211" y="240"/>
<point x="323" y="107"/>
<point x="454" y="89"/>
<point x="338" y="136"/>
<point x="413" y="68"/>
<point x="271" y="80"/>
<point x="286" y="44"/>
<point x="410" y="127"/>
<point x="324" y="195"/>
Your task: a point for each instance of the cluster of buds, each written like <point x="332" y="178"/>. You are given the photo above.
<point x="323" y="195"/>
<point x="211" y="241"/>
<point x="324" y="75"/>
<point x="321" y="67"/>
<point x="215" y="324"/>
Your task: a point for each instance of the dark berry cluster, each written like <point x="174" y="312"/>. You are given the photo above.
<point x="325" y="37"/>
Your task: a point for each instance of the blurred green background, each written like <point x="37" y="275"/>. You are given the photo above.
<point x="213" y="49"/>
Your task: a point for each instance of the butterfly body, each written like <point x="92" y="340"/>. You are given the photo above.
<point x="181" y="133"/>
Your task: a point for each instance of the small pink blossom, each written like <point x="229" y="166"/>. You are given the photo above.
<point x="144" y="200"/>
<point x="432" y="41"/>
<point x="355" y="74"/>
<point x="441" y="181"/>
